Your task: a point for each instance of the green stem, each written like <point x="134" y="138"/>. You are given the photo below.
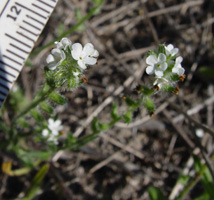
<point x="193" y="182"/>
<point x="41" y="96"/>
<point x="88" y="16"/>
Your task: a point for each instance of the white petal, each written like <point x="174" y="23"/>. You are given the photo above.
<point x="169" y="47"/>
<point x="151" y="60"/>
<point x="58" y="45"/>
<point x="50" y="59"/>
<point x="178" y="60"/>
<point x="58" y="54"/>
<point x="52" y="66"/>
<point x="76" y="51"/>
<point x="81" y="64"/>
<point x="76" y="74"/>
<point x="57" y="123"/>
<point x="161" y="57"/>
<point x="174" y="51"/>
<point x="50" y="121"/>
<point x="175" y="70"/>
<point x="163" y="66"/>
<point x="55" y="133"/>
<point x="90" y="61"/>
<point x="45" y="133"/>
<point x="158" y="73"/>
<point x="181" y="71"/>
<point x="66" y="42"/>
<point x="88" y="49"/>
<point x="77" y="47"/>
<point x="150" y="70"/>
<point x="95" y="54"/>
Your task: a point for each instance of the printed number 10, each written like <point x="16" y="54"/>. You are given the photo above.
<point x="15" y="12"/>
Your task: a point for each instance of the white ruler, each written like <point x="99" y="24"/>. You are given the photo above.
<point x="21" y="22"/>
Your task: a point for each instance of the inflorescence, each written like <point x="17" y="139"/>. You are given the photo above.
<point x="165" y="64"/>
<point x="67" y="62"/>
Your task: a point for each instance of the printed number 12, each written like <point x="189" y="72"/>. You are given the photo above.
<point x="16" y="12"/>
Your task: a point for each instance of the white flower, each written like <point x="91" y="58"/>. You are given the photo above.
<point x="52" y="132"/>
<point x="76" y="74"/>
<point x="45" y="133"/>
<point x="53" y="139"/>
<point x="160" y="82"/>
<point x="170" y="50"/>
<point x="55" y="58"/>
<point x="84" y="56"/>
<point x="156" y="65"/>
<point x="63" y="44"/>
<point x="178" y="69"/>
<point x="55" y="126"/>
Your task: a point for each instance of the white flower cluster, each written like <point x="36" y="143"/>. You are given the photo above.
<point x="84" y="56"/>
<point x="164" y="64"/>
<point x="158" y="64"/>
<point x="52" y="132"/>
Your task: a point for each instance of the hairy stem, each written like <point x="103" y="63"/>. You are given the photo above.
<point x="41" y="96"/>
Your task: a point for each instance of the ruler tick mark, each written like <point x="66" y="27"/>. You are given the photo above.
<point x="36" y="13"/>
<point x="1" y="92"/>
<point x="11" y="59"/>
<point x="40" y="8"/>
<point x="28" y="31"/>
<point x="3" y="78"/>
<point x="18" y="40"/>
<point x="35" y="20"/>
<point x="45" y="4"/>
<point x="26" y="36"/>
<point x="4" y="86"/>
<point x="15" y="54"/>
<point x="32" y="25"/>
<point x="9" y="66"/>
<point x="2" y="70"/>
<point x="19" y="48"/>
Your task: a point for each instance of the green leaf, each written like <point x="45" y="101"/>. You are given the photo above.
<point x="36" y="182"/>
<point x="103" y="126"/>
<point x="23" y="123"/>
<point x="84" y="140"/>
<point x="131" y="103"/>
<point x="161" y="49"/>
<point x="114" y="112"/>
<point x="28" y="158"/>
<point x="169" y="88"/>
<point x="128" y="117"/>
<point x="46" y="107"/>
<point x="95" y="125"/>
<point x="145" y="90"/>
<point x="207" y="180"/>
<point x="57" y="98"/>
<point x="204" y="196"/>
<point x="155" y="193"/>
<point x="151" y="53"/>
<point x="3" y="126"/>
<point x="70" y="140"/>
<point x="36" y="115"/>
<point x="149" y="105"/>
<point x="183" y="179"/>
<point x="175" y="77"/>
<point x="49" y="76"/>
